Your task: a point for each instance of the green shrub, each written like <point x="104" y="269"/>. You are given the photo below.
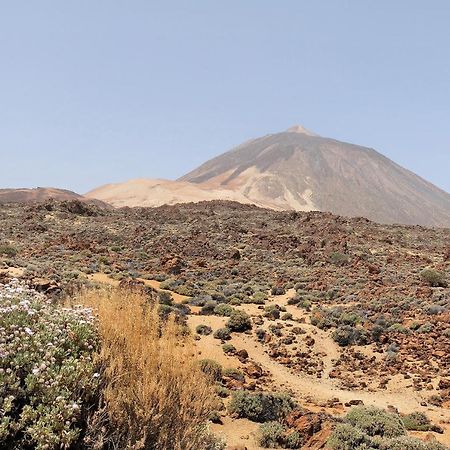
<point x="8" y="250"/>
<point x="375" y="422"/>
<point x="434" y="278"/>
<point x="228" y="348"/>
<point x="339" y="259"/>
<point x="286" y="316"/>
<point x="222" y="309"/>
<point x="259" y="298"/>
<point x="204" y="330"/>
<point x="236" y="374"/>
<point x="222" y="333"/>
<point x="272" y="312"/>
<point x="239" y="321"/>
<point x="211" y="368"/>
<point x="347" y="335"/>
<point x="48" y="380"/>
<point x="274" y="435"/>
<point x="347" y="437"/>
<point x="410" y="443"/>
<point x="417" y="421"/>
<point x="260" y="406"/>
<point x="270" y="434"/>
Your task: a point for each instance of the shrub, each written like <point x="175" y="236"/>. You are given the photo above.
<point x="277" y="290"/>
<point x="410" y="443"/>
<point x="261" y="407"/>
<point x="274" y="434"/>
<point x="165" y="298"/>
<point x="228" y="348"/>
<point x="211" y="368"/>
<point x="47" y="374"/>
<point x="375" y="422"/>
<point x="208" y="308"/>
<point x="272" y="312"/>
<point x="204" y="330"/>
<point x="8" y="250"/>
<point x="155" y="395"/>
<point x="347" y="437"/>
<point x="417" y="421"/>
<point x="286" y="316"/>
<point x="239" y="321"/>
<point x="339" y="259"/>
<point x="433" y="278"/>
<point x="259" y="297"/>
<point x="223" y="309"/>
<point x="348" y="335"/>
<point x="236" y="374"/>
<point x="270" y="434"/>
<point x="222" y="333"/>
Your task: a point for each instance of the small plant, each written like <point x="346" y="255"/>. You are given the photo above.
<point x="222" y="309"/>
<point x="223" y="334"/>
<point x="233" y="373"/>
<point x="203" y="330"/>
<point x="433" y="278"/>
<point x="8" y="250"/>
<point x="228" y="348"/>
<point x="261" y="407"/>
<point x="239" y="321"/>
<point x="375" y="422"/>
<point x="286" y="316"/>
<point x="272" y="312"/>
<point x="211" y="368"/>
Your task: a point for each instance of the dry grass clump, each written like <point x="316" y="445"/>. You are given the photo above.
<point x="155" y="395"/>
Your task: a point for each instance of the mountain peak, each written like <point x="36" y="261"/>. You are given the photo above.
<point x="300" y="129"/>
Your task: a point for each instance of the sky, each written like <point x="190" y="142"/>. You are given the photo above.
<point x="100" y="91"/>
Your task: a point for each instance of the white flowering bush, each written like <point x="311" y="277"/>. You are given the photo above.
<point x="47" y="374"/>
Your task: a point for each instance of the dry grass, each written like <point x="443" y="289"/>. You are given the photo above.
<point x="154" y="396"/>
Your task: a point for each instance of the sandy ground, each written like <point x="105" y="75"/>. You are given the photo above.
<point x="309" y="391"/>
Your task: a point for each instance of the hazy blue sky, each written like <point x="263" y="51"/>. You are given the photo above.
<point x="100" y="91"/>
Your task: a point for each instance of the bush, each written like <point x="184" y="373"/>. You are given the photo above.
<point x="375" y="422"/>
<point x="286" y="316"/>
<point x="270" y="434"/>
<point x="223" y="309"/>
<point x="272" y="312"/>
<point x="348" y="335"/>
<point x="8" y="250"/>
<point x="204" y="330"/>
<point x="261" y="407"/>
<point x="339" y="259"/>
<point x="47" y="375"/>
<point x="236" y="374"/>
<point x="433" y="278"/>
<point x="347" y="437"/>
<point x="222" y="333"/>
<point x="417" y="421"/>
<point x="228" y="348"/>
<point x="276" y="290"/>
<point x="239" y="321"/>
<point x="410" y="443"/>
<point x="155" y="394"/>
<point x="211" y="368"/>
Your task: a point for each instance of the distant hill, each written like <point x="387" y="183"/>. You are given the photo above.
<point x="299" y="170"/>
<point x="40" y="194"/>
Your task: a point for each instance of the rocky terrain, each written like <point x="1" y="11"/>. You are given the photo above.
<point x="298" y="170"/>
<point x="335" y="311"/>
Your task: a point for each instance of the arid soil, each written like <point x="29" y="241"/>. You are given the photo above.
<point x="342" y="311"/>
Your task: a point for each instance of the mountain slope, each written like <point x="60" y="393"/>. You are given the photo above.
<point x="299" y="170"/>
<point x="40" y="194"/>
